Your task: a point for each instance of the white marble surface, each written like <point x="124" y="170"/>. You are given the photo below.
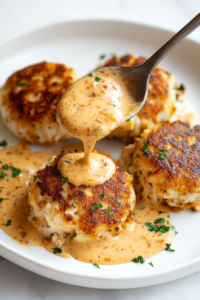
<point x="19" y="15"/>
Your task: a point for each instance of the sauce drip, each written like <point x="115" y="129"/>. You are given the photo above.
<point x="89" y="110"/>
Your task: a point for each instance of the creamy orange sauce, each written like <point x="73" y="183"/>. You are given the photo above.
<point x="14" y="210"/>
<point x="89" y="110"/>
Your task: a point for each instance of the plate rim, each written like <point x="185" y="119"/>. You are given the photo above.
<point x="98" y="276"/>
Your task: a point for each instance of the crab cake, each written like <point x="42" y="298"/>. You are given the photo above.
<point x="159" y="106"/>
<point x="165" y="161"/>
<point x="29" y="101"/>
<point x="60" y="209"/>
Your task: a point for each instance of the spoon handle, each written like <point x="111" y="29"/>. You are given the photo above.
<point x="152" y="62"/>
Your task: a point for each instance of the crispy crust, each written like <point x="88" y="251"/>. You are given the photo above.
<point x="46" y="84"/>
<point x="118" y="187"/>
<point x="183" y="157"/>
<point x="170" y="167"/>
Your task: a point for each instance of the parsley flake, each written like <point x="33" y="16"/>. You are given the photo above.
<point x="139" y="259"/>
<point x="1" y="160"/>
<point x="164" y="150"/>
<point x="57" y="250"/>
<point x="161" y="228"/>
<point x="3" y="143"/>
<point x="3" y="175"/>
<point x="102" y="56"/>
<point x="101" y="196"/>
<point x="161" y="156"/>
<point x="63" y="180"/>
<point x="97" y="79"/>
<point x="145" y="148"/>
<point x="111" y="213"/>
<point x="181" y="87"/>
<point x="161" y="220"/>
<point x="24" y="83"/>
<point x="1" y="199"/>
<point x="36" y="177"/>
<point x="128" y="120"/>
<point x="151" y="264"/>
<point x="168" y="248"/>
<point x="9" y="153"/>
<point x="113" y="55"/>
<point x="5" y="167"/>
<point x="96" y="205"/>
<point x="8" y="223"/>
<point x="160" y="212"/>
<point x="74" y="204"/>
<point x="15" y="171"/>
<point x="90" y="75"/>
<point x="137" y="156"/>
<point x="119" y="201"/>
<point x="97" y="266"/>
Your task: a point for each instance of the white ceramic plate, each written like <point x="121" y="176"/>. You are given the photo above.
<point x="79" y="44"/>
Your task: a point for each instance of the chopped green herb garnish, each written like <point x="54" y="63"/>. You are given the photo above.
<point x="161" y="228"/>
<point x="15" y="171"/>
<point x="36" y="177"/>
<point x="139" y="259"/>
<point x="3" y="175"/>
<point x="1" y="199"/>
<point x="161" y="220"/>
<point x="96" y="265"/>
<point x="181" y="87"/>
<point x="24" y="83"/>
<point x="63" y="180"/>
<point x="9" y="153"/>
<point x="150" y="226"/>
<point x="97" y="79"/>
<point x="164" y="150"/>
<point x="160" y="212"/>
<point x="5" y="167"/>
<point x="109" y="198"/>
<point x="90" y="75"/>
<point x="101" y="196"/>
<point x="102" y="56"/>
<point x="3" y="143"/>
<point x="169" y="249"/>
<point x="1" y="160"/>
<point x="8" y="222"/>
<point x="113" y="55"/>
<point x="118" y="201"/>
<point x="74" y="204"/>
<point x="137" y="156"/>
<point x="174" y="229"/>
<point x="175" y="122"/>
<point x="57" y="250"/>
<point x="151" y="264"/>
<point x="111" y="213"/>
<point x="96" y="205"/>
<point x="128" y="120"/>
<point x="145" y="148"/>
<point x="161" y="156"/>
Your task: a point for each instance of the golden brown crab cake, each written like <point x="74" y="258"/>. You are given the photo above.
<point x="60" y="209"/>
<point x="159" y="106"/>
<point x="165" y="161"/>
<point x="29" y="100"/>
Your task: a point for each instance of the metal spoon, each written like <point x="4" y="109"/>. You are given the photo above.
<point x="138" y="77"/>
